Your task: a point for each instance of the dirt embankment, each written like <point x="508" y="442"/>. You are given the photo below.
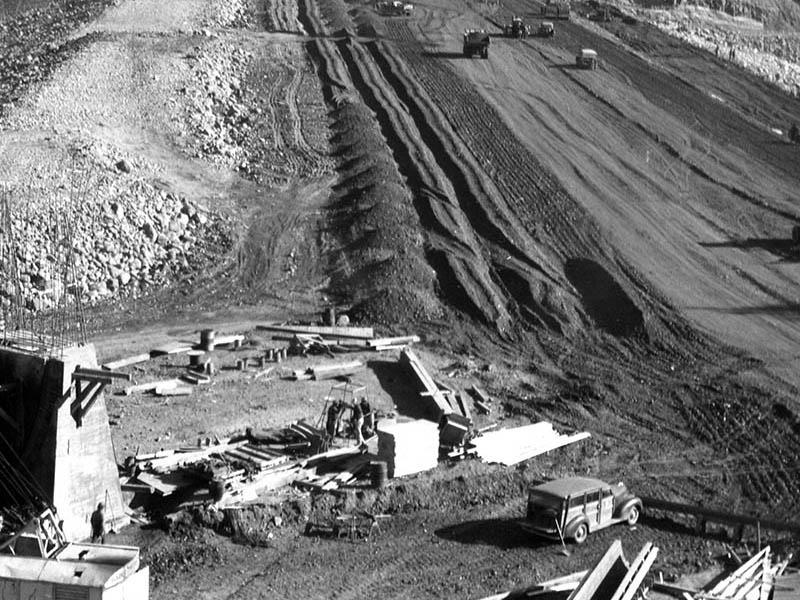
<point x="438" y="219"/>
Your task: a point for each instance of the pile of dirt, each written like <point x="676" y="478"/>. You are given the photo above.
<point x="382" y="272"/>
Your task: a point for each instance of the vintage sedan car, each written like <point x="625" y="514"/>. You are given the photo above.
<point x="573" y="507"/>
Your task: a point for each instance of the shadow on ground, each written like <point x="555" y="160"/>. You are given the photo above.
<point x="502" y="533"/>
<point x="394" y="382"/>
<point x="784" y="248"/>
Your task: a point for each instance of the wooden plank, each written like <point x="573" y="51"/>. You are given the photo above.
<point x="340" y="332"/>
<point x="636" y="573"/>
<point x="463" y="406"/>
<point x="399" y="341"/>
<point x="587" y="588"/>
<point x="482" y="407"/>
<point x="332" y="371"/>
<point x="167" y="483"/>
<point x="126" y="362"/>
<point x="102" y="373"/>
<point x="429" y="387"/>
<point x="718" y="516"/>
<point x="148" y="387"/>
<point x="173" y="391"/>
<point x="480" y="394"/>
<point x="92" y="378"/>
<point x="170" y="348"/>
<point x="226" y="340"/>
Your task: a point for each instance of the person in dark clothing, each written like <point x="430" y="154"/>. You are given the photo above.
<point x="369" y="417"/>
<point x="357" y="421"/>
<point x="98" y="521"/>
<point x="332" y="422"/>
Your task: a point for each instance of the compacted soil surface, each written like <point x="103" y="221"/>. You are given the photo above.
<point x="609" y="250"/>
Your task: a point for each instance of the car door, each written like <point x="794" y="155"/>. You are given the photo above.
<point x="606" y="507"/>
<point x="591" y="509"/>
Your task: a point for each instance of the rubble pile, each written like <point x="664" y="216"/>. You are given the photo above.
<point x="237" y="14"/>
<point x="215" y="109"/>
<point x="34" y="43"/>
<point x="124" y="242"/>
<point x="773" y="56"/>
<point x="254" y="112"/>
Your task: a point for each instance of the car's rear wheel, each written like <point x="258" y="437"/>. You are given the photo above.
<point x="633" y="515"/>
<point x="581" y="533"/>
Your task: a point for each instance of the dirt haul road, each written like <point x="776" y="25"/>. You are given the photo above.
<point x="543" y="228"/>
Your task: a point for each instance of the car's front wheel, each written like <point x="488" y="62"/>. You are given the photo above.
<point x="633" y="515"/>
<point x="581" y="533"/>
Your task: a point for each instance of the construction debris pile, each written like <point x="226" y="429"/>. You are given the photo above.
<point x="239" y="469"/>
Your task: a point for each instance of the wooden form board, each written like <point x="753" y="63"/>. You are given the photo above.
<point x="365" y="333"/>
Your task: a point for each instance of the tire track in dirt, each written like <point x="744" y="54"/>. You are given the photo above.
<point x="282" y="15"/>
<point x="465" y="277"/>
<point x="312" y="157"/>
<point x="510" y="260"/>
<point x="533" y="195"/>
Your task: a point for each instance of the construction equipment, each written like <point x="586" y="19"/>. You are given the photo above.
<point x="517" y="29"/>
<point x="586" y="59"/>
<point x="556" y="9"/>
<point x="546" y="29"/>
<point x="476" y="41"/>
<point x="395" y="8"/>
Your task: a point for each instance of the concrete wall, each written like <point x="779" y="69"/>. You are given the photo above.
<point x="74" y="464"/>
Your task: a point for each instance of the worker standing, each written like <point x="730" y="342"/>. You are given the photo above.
<point x="332" y="422"/>
<point x="98" y="521"/>
<point x="369" y="416"/>
<point x="357" y="421"/>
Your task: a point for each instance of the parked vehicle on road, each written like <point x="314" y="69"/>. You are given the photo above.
<point x="395" y="8"/>
<point x="476" y="41"/>
<point x="546" y="29"/>
<point x="573" y="507"/>
<point x="586" y="59"/>
<point x="517" y="29"/>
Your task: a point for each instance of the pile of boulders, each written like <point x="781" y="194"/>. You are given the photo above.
<point x="239" y="14"/>
<point x="98" y="249"/>
<point x="773" y="56"/>
<point x="217" y="114"/>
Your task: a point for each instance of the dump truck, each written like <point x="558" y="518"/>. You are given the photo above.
<point x="546" y="29"/>
<point x="556" y="9"/>
<point x="586" y="59"/>
<point x="395" y="8"/>
<point x="517" y="29"/>
<point x="476" y="41"/>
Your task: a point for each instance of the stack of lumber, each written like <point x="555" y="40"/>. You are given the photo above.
<point x="434" y="399"/>
<point x="753" y="580"/>
<point x="511" y="446"/>
<point x="352" y="338"/>
<point x="408" y="447"/>
<point x="612" y="578"/>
